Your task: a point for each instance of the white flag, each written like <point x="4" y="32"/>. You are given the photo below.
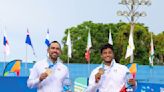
<point x="89" y="43"/>
<point x="130" y="47"/>
<point x="68" y="43"/>
<point x="6" y="45"/>
<point x="110" y="38"/>
<point x="151" y="55"/>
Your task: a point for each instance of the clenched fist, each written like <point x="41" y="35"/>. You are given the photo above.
<point x="43" y="76"/>
<point x="132" y="82"/>
<point x="98" y="75"/>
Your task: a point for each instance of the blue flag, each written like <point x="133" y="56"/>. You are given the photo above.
<point x="47" y="42"/>
<point x="28" y="41"/>
<point x="6" y="45"/>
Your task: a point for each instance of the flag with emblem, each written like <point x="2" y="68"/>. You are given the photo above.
<point x="89" y="45"/>
<point x="151" y="52"/>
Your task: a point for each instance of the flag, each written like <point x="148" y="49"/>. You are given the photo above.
<point x="47" y="42"/>
<point x="123" y="89"/>
<point x="13" y="66"/>
<point x="130" y="47"/>
<point x="89" y="45"/>
<point x="28" y="41"/>
<point x="68" y="43"/>
<point x="110" y="38"/>
<point x="6" y="45"/>
<point x="133" y="69"/>
<point x="151" y="53"/>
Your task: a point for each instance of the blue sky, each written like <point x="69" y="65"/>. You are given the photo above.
<point x="57" y="15"/>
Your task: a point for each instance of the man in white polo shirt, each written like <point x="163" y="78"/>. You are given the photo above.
<point x="48" y="75"/>
<point x="109" y="76"/>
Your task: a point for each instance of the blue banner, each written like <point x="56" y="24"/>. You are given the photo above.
<point x="150" y="87"/>
<point x="14" y="84"/>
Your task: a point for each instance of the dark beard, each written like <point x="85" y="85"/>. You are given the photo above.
<point x="54" y="59"/>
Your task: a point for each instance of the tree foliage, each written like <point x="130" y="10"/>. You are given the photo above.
<point x="120" y="35"/>
<point x="159" y="48"/>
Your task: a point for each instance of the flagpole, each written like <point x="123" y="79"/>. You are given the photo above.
<point x="151" y="72"/>
<point x="131" y="32"/>
<point x="6" y="48"/>
<point x="89" y="67"/>
<point x="151" y="56"/>
<point x="69" y="46"/>
<point x="4" y="64"/>
<point x="89" y="44"/>
<point x="26" y="62"/>
<point x="68" y="61"/>
<point x="132" y="14"/>
<point x="28" y="42"/>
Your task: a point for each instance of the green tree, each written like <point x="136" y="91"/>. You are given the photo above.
<point x="120" y="35"/>
<point x="140" y="37"/>
<point x="99" y="36"/>
<point x="159" y="48"/>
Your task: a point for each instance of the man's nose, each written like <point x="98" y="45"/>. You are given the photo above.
<point x="108" y="54"/>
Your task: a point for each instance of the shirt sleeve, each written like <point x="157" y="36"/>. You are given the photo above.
<point x="93" y="86"/>
<point x="33" y="80"/>
<point x="67" y="73"/>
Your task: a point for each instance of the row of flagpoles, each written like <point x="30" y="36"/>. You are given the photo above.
<point x="129" y="52"/>
<point x="6" y="43"/>
<point x="7" y="49"/>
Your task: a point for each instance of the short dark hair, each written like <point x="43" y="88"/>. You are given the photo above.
<point x="107" y="46"/>
<point x="54" y="42"/>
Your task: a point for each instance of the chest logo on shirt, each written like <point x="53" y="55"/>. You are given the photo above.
<point x="58" y="69"/>
<point x="115" y="70"/>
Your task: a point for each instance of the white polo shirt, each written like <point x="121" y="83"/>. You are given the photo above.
<point x="113" y="79"/>
<point x="53" y="83"/>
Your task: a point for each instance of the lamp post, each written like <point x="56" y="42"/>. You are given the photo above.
<point x="132" y="14"/>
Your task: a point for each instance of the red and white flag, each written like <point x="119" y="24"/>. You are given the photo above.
<point x="89" y="45"/>
<point x="151" y="53"/>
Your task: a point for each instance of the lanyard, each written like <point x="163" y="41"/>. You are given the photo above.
<point x="50" y="64"/>
<point x="103" y="67"/>
<point x="112" y="64"/>
<point x="107" y="70"/>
